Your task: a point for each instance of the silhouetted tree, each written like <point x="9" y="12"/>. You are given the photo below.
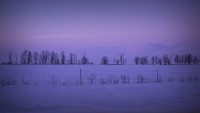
<point x="35" y="58"/>
<point x="125" y="79"/>
<point x="159" y="61"/>
<point x="176" y="59"/>
<point x="44" y="56"/>
<point x="140" y="79"/>
<point x="154" y="60"/>
<point x="104" y="60"/>
<point x="53" y="58"/>
<point x="63" y="57"/>
<point x="181" y="59"/>
<point x="84" y="60"/>
<point x="143" y="60"/>
<point x="72" y="59"/>
<point x="186" y="59"/>
<point x="29" y="59"/>
<point x="116" y="62"/>
<point x="121" y="59"/>
<point x="57" y="60"/>
<point x="23" y="58"/>
<point x="136" y="60"/>
<point x="189" y="59"/>
<point x="91" y="78"/>
<point x="195" y="60"/>
<point x="198" y="62"/>
<point x="166" y="60"/>
<point x="10" y="57"/>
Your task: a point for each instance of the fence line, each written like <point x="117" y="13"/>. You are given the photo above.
<point x="85" y="77"/>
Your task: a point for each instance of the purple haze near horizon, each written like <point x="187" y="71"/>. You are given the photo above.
<point x="100" y="27"/>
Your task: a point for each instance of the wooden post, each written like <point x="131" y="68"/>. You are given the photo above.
<point x="157" y="76"/>
<point x="81" y="82"/>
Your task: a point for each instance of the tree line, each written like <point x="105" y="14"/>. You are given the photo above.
<point x="52" y="58"/>
<point x="183" y="59"/>
<point x="45" y="57"/>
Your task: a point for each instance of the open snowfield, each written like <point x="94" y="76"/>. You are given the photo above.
<point x="99" y="89"/>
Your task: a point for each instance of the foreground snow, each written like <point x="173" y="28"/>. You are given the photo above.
<point x="148" y="97"/>
<point x="137" y="98"/>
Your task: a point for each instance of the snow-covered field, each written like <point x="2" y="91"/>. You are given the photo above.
<point x="99" y="89"/>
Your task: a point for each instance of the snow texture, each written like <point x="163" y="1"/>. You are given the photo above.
<point x="42" y="89"/>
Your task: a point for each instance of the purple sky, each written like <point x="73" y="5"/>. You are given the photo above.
<point x="100" y="27"/>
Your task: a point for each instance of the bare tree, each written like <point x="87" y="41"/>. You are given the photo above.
<point x="143" y="60"/>
<point x="57" y="60"/>
<point x="125" y="79"/>
<point x="91" y="78"/>
<point x="195" y="60"/>
<point x="159" y="61"/>
<point x="121" y="59"/>
<point x="52" y="58"/>
<point x="35" y="58"/>
<point x="140" y="79"/>
<point x="189" y="58"/>
<point x="84" y="60"/>
<point x="10" y="57"/>
<point x="166" y="60"/>
<point x="154" y="60"/>
<point x="182" y="60"/>
<point x="176" y="59"/>
<point x="23" y="58"/>
<point x="72" y="59"/>
<point x="44" y="56"/>
<point x="104" y="60"/>
<point x="63" y="57"/>
<point x="29" y="58"/>
<point x="136" y="60"/>
<point x="186" y="59"/>
<point x="116" y="62"/>
<point x="198" y="60"/>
